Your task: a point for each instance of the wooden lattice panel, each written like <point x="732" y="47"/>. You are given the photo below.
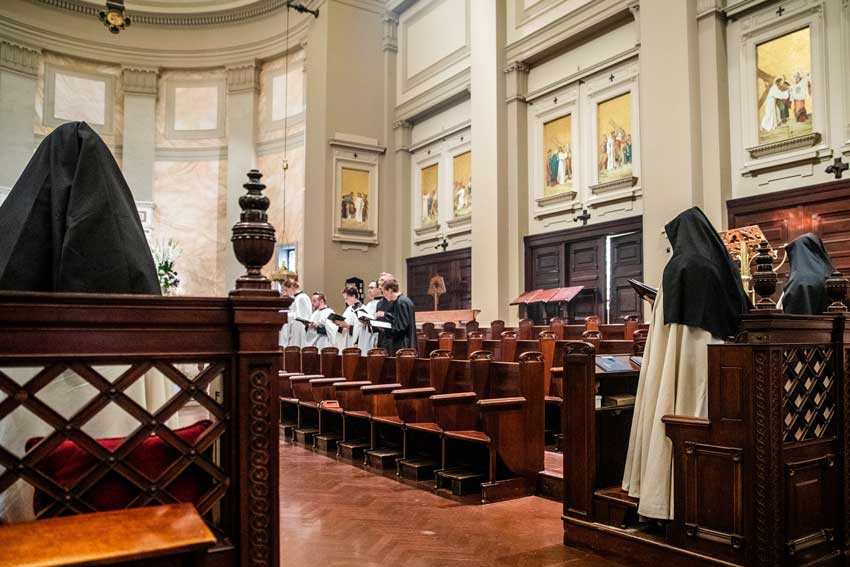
<point x="24" y="395"/>
<point x="809" y="393"/>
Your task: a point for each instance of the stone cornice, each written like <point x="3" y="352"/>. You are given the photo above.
<point x="243" y="78"/>
<point x="255" y="10"/>
<point x="18" y="58"/>
<point x="102" y="49"/>
<point x="139" y="81"/>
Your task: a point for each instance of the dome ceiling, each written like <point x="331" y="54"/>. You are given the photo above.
<point x="178" y="12"/>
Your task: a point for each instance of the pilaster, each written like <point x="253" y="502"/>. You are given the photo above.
<point x="139" y="142"/>
<point x="490" y="219"/>
<point x="402" y="140"/>
<point x="516" y="89"/>
<point x="243" y="85"/>
<point x="18" y="73"/>
<point x="397" y="217"/>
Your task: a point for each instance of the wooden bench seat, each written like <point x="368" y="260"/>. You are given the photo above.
<point x="174" y="532"/>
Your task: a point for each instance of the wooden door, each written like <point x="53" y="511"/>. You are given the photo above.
<point x="626" y="264"/>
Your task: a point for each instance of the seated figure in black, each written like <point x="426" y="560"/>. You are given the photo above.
<point x="804" y="292"/>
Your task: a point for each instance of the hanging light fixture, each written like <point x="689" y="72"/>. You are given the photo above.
<point x="115" y="17"/>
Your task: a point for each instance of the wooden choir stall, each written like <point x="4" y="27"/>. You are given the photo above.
<point x="206" y="461"/>
<point x="764" y="480"/>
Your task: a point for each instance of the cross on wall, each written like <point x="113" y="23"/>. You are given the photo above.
<point x="837" y="168"/>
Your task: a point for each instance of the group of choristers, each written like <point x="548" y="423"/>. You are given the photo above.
<point x="386" y="320"/>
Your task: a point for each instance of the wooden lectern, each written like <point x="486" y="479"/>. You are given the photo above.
<point x="542" y="305"/>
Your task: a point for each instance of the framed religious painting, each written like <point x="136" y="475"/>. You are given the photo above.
<point x="784" y="86"/>
<point x="462" y="184"/>
<point x="356" y="192"/>
<point x="611" y="110"/>
<point x="554" y="164"/>
<point x="429" y="195"/>
<point x="779" y="124"/>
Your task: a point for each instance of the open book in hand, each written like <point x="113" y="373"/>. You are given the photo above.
<point x="305" y="321"/>
<point x="364" y="315"/>
<point x="336" y="318"/>
<point x="381" y="324"/>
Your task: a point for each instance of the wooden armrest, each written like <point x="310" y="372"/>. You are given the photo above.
<point x="351" y="385"/>
<point x="305" y="378"/>
<point x="457" y="398"/>
<point x="325" y="381"/>
<point x="501" y="404"/>
<point x="379" y="389"/>
<point x="408" y="393"/>
<point x="285" y="374"/>
<point x="106" y="537"/>
<point x="685" y="421"/>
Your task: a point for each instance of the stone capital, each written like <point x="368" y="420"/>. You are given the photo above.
<point x="390" y="41"/>
<point x="19" y="58"/>
<point x="403" y="135"/>
<point x="243" y="78"/>
<point x="403" y="124"/>
<point x="516" y="81"/>
<point x="139" y="81"/>
<point x="517" y="67"/>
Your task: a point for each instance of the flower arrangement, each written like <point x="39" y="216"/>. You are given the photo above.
<point x="165" y="254"/>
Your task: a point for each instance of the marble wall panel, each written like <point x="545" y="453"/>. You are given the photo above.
<point x="273" y="103"/>
<point x="196" y="108"/>
<point x="187" y="201"/>
<point x="78" y="98"/>
<point x="207" y="100"/>
<point x="86" y="106"/>
<point x="291" y="231"/>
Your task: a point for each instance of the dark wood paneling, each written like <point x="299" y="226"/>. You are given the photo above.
<point x="576" y="256"/>
<point x="823" y="209"/>
<point x="626" y="264"/>
<point x="456" y="269"/>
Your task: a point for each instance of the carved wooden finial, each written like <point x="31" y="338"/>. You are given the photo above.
<point x="837" y="287"/>
<point x="764" y="278"/>
<point x="253" y="239"/>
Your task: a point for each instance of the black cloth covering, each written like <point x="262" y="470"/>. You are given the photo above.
<point x="701" y="284"/>
<point x="70" y="222"/>
<point x="401" y="314"/>
<point x="804" y="289"/>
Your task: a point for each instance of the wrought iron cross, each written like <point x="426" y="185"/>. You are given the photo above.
<point x="444" y="244"/>
<point x="583" y="217"/>
<point x="780" y="11"/>
<point x="611" y="78"/>
<point x="837" y="168"/>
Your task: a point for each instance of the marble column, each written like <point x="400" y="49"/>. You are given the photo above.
<point x="670" y="94"/>
<point x="402" y="139"/>
<point x="139" y="143"/>
<point x="18" y="75"/>
<point x="714" y="110"/>
<point x="243" y="85"/>
<point x="516" y="82"/>
<point x="490" y="232"/>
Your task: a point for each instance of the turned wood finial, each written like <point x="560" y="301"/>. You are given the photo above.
<point x="764" y="278"/>
<point x="253" y="238"/>
<point x="837" y="287"/>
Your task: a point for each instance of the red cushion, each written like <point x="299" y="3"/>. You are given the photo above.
<point x="68" y="464"/>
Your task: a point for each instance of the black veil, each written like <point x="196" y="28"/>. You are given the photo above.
<point x="70" y="222"/>
<point x="804" y="292"/>
<point x="701" y="285"/>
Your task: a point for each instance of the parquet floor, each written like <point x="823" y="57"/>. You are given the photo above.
<point x="334" y="514"/>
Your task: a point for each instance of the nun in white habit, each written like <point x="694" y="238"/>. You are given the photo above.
<point x="699" y="303"/>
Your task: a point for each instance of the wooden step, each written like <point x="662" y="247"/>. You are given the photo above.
<point x="326" y="442"/>
<point x="418" y="469"/>
<point x="286" y="430"/>
<point x="460" y="481"/>
<point x="550" y="485"/>
<point x="304" y="436"/>
<point x="383" y="458"/>
<point x="614" y="507"/>
<point x="352" y="450"/>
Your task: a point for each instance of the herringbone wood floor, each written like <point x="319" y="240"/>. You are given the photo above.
<point x="334" y="514"/>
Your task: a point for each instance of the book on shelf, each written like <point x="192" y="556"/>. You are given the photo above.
<point x="618" y="400"/>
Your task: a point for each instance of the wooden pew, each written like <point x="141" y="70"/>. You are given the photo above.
<point x="172" y="534"/>
<point x="507" y="422"/>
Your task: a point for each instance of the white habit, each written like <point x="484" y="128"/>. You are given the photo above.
<point x="322" y="340"/>
<point x="771" y="118"/>
<point x="673" y="381"/>
<point x="348" y="337"/>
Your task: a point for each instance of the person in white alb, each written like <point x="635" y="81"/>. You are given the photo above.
<point x="321" y="331"/>
<point x="348" y="333"/>
<point x="294" y="332"/>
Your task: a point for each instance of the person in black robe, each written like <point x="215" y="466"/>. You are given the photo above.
<point x="401" y="314"/>
<point x="70" y="222"/>
<point x="804" y="292"/>
<point x="702" y="285"/>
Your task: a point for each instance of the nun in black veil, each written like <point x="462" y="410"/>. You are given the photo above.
<point x="804" y="292"/>
<point x="700" y="302"/>
<point x="70" y="224"/>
